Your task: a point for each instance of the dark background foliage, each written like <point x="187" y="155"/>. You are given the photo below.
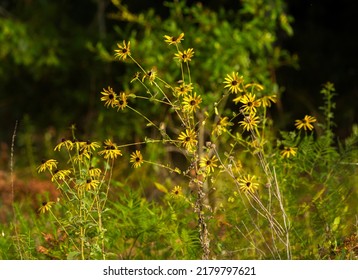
<point x="50" y="78"/>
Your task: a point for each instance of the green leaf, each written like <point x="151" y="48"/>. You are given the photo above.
<point x="161" y="187"/>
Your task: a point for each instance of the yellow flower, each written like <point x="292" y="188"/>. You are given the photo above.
<point x="94" y="172"/>
<point x="266" y="100"/>
<point x="122" y="101"/>
<point x="305" y="123"/>
<point x="249" y="122"/>
<point x="67" y="143"/>
<point x="47" y="164"/>
<point x="110" y="151"/>
<point x="247" y="184"/>
<point x="60" y="175"/>
<point x="176" y="192"/>
<point x="45" y="206"/>
<point x="288" y="151"/>
<point x="90" y="184"/>
<point x="250" y="103"/>
<point x="185" y="56"/>
<point x="191" y="102"/>
<point x="173" y="40"/>
<point x="87" y="147"/>
<point x="110" y="97"/>
<point x="208" y="163"/>
<point x="221" y="125"/>
<point x="136" y="159"/>
<point x="234" y="82"/>
<point x="183" y="89"/>
<point x="150" y="75"/>
<point x="123" y="51"/>
<point x="188" y="139"/>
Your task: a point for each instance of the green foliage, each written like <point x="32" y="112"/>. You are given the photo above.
<point x="199" y="171"/>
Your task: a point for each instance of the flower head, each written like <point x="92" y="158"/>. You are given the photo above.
<point x="123" y="50"/>
<point x="247" y="184"/>
<point x="250" y="103"/>
<point x="288" y="151"/>
<point x="188" y="139"/>
<point x="90" y="184"/>
<point x="94" y="172"/>
<point x="208" y="163"/>
<point x="234" y="82"/>
<point x="64" y="143"/>
<point x="47" y="165"/>
<point x="122" y="101"/>
<point x="87" y="147"/>
<point x="191" y="102"/>
<point x="249" y="122"/>
<point x="185" y="56"/>
<point x="221" y="125"/>
<point x="183" y="89"/>
<point x="110" y="151"/>
<point x="136" y="159"/>
<point x="173" y="40"/>
<point x="267" y="99"/>
<point x="150" y="75"/>
<point x="109" y="97"/>
<point x="60" y="175"/>
<point x="176" y="192"/>
<point x="305" y="123"/>
<point x="46" y="206"/>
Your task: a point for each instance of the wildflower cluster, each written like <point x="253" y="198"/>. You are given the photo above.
<point x="232" y="161"/>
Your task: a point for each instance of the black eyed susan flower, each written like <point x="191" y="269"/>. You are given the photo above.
<point x="110" y="151"/>
<point x="136" y="159"/>
<point x="221" y="126"/>
<point x="249" y="122"/>
<point x="94" y="172"/>
<point x="247" y="184"/>
<point x="109" y="97"/>
<point x="305" y="123"/>
<point x="122" y="101"/>
<point x="267" y="99"/>
<point x="46" y="206"/>
<point x="208" y="164"/>
<point x="64" y="143"/>
<point x="47" y="165"/>
<point x="173" y="40"/>
<point x="88" y="147"/>
<point x="250" y="103"/>
<point x="185" y="56"/>
<point x="188" y="139"/>
<point x="191" y="102"/>
<point x="288" y="151"/>
<point x="150" y="75"/>
<point x="59" y="175"/>
<point x="123" y="50"/>
<point x="183" y="89"/>
<point x="234" y="83"/>
<point x="176" y="192"/>
<point x="90" y="184"/>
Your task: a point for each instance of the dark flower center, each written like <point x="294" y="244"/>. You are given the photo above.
<point x="187" y="139"/>
<point x="234" y="83"/>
